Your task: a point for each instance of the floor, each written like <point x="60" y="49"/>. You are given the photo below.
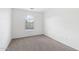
<point x="37" y="43"/>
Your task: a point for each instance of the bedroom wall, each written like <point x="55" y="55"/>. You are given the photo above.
<point x="62" y="24"/>
<point x="18" y="23"/>
<point x="5" y="27"/>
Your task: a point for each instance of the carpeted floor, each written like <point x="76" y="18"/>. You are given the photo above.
<point x="37" y="43"/>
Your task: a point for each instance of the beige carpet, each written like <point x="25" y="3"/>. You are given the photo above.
<point x="37" y="43"/>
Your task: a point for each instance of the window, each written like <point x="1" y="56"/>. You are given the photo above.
<point x="29" y="22"/>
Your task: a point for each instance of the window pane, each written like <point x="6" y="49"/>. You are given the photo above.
<point x="29" y="22"/>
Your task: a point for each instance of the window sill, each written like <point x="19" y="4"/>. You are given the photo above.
<point x="29" y="29"/>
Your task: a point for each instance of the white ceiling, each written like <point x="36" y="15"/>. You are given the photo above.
<point x="36" y="9"/>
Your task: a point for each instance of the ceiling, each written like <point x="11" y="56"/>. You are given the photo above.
<point x="35" y="9"/>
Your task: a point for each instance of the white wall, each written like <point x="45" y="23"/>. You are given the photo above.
<point x="18" y="23"/>
<point x="63" y="25"/>
<point x="5" y="29"/>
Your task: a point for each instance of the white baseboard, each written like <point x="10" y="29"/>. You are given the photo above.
<point x="7" y="44"/>
<point x="53" y="37"/>
<point x="27" y="36"/>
